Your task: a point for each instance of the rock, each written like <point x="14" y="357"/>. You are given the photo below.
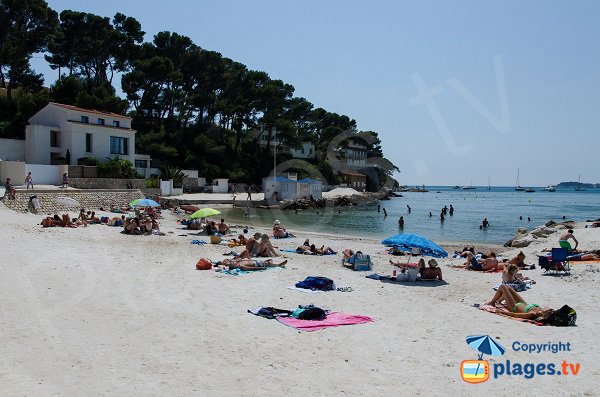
<point x="550" y="223"/>
<point x="508" y="243"/>
<point x="524" y="241"/>
<point x="543" y="231"/>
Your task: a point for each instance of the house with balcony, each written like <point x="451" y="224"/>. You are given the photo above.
<point x="58" y="129"/>
<point x="307" y="151"/>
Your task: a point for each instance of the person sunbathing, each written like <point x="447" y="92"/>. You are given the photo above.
<point x="584" y="257"/>
<point x="322" y="251"/>
<point x="222" y="227"/>
<point x="265" y="248"/>
<point x="48" y="222"/>
<point x="279" y="231"/>
<point x="251" y="247"/>
<point x="430" y="273"/>
<point x="516" y="305"/>
<point x="518" y="260"/>
<point x="303" y="249"/>
<point x="249" y="264"/>
<point x="66" y="221"/>
<point x="511" y="275"/>
<point x="348" y="253"/>
<point x="485" y="265"/>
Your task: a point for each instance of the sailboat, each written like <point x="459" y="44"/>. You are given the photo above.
<point x="489" y="184"/>
<point x="518" y="187"/>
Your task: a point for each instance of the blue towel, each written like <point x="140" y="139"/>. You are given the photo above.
<point x="198" y="242"/>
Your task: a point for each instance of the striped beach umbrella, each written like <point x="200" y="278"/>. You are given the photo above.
<point x="485" y="345"/>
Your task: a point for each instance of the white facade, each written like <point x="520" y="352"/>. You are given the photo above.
<point x="307" y="151"/>
<point x="84" y="132"/>
<point x="288" y="189"/>
<point x="12" y="149"/>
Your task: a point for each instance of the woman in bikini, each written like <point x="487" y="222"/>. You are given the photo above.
<point x="516" y="305"/>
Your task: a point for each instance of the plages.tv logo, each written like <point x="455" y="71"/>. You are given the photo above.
<point x="478" y="371"/>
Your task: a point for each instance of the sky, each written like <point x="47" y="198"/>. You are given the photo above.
<point x="460" y="92"/>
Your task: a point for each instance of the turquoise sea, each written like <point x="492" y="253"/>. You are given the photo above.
<point x="502" y="206"/>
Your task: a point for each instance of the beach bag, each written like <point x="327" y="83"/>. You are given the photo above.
<point x="316" y="283"/>
<point x="119" y="222"/>
<point x="112" y="222"/>
<point x="214" y="239"/>
<point x="104" y="219"/>
<point x="566" y="316"/>
<point x="309" y="312"/>
<point x="203" y="264"/>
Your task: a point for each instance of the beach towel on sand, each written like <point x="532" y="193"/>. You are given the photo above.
<point x="495" y="310"/>
<point x="305" y="253"/>
<point x="333" y="319"/>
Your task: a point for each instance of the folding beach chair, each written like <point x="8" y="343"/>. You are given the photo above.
<point x="559" y="262"/>
<point x="358" y="262"/>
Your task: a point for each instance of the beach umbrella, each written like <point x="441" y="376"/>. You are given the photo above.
<point x="485" y="345"/>
<point x="204" y="213"/>
<point x="408" y="241"/>
<point x="144" y="203"/>
<point x="67" y="201"/>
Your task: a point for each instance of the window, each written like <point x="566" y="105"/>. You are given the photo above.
<point x="88" y="143"/>
<point x="54" y="139"/>
<point x="101" y="121"/>
<point x="119" y="145"/>
<point x="141" y="163"/>
<point x="116" y="123"/>
<point x="85" y="119"/>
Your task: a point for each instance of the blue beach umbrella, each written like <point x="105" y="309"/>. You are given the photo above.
<point x="144" y="203"/>
<point x="408" y="241"/>
<point x="485" y="345"/>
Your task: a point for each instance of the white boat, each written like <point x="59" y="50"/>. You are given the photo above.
<point x="549" y="188"/>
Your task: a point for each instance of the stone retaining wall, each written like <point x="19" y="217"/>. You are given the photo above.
<point x="106" y="183"/>
<point x="91" y="199"/>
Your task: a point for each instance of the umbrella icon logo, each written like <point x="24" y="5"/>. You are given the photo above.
<point x="478" y="371"/>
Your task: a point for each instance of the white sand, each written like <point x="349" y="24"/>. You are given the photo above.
<point x="90" y="311"/>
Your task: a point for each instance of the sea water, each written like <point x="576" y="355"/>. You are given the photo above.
<point x="502" y="206"/>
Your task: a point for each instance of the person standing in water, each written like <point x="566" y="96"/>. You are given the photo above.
<point x="384" y="212"/>
<point x="401" y="222"/>
<point x="451" y="210"/>
<point x="408" y="208"/>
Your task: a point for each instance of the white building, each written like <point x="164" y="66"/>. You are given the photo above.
<point x="83" y="132"/>
<point x="285" y="188"/>
<point x="307" y="151"/>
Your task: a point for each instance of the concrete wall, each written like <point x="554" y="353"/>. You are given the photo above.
<point x="92" y="200"/>
<point x="106" y="183"/>
<point x="37" y="144"/>
<point x="12" y="149"/>
<point x="46" y="174"/>
<point x="15" y="170"/>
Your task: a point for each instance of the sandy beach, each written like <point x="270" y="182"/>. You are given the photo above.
<point x="90" y="311"/>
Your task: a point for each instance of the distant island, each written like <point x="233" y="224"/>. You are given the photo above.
<point x="572" y="185"/>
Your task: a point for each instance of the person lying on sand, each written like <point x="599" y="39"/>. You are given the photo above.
<point x="430" y="273"/>
<point x="279" y="231"/>
<point x="511" y="275"/>
<point x="516" y="305"/>
<point x="322" y="251"/>
<point x="584" y="257"/>
<point x="249" y="264"/>
<point x="485" y="265"/>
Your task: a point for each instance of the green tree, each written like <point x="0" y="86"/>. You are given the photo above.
<point x="26" y="26"/>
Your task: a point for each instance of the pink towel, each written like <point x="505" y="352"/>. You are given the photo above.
<point x="333" y="319"/>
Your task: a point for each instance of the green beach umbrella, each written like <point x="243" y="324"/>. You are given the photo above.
<point x="204" y="213"/>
